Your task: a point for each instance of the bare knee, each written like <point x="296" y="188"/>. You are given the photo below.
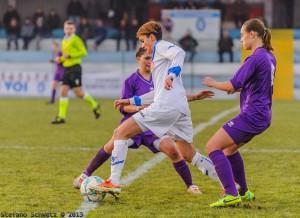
<point x="174" y="155"/>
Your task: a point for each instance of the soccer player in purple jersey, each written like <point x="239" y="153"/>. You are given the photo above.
<point x="254" y="80"/>
<point x="58" y="72"/>
<point x="139" y="83"/>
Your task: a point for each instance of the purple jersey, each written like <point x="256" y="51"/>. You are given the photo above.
<point x="135" y="84"/>
<point x="255" y="79"/>
<point x="59" y="69"/>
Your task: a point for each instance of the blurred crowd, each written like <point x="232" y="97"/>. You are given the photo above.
<point x="120" y="22"/>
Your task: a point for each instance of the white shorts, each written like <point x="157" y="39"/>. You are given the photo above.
<point x="164" y="120"/>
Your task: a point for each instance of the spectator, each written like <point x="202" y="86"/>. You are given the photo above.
<point x="84" y="30"/>
<point x="53" y="21"/>
<point x="190" y="5"/>
<point x="189" y="44"/>
<point x="124" y="32"/>
<point x="99" y="33"/>
<point x="92" y="10"/>
<point x="225" y="45"/>
<point x="11" y="21"/>
<point x="134" y="28"/>
<point x="27" y="32"/>
<point x="39" y="21"/>
<point x="239" y="8"/>
<point x="167" y="24"/>
<point x="75" y="10"/>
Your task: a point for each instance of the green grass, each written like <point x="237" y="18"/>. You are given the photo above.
<point x="38" y="162"/>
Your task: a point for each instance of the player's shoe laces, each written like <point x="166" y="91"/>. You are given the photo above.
<point x="97" y="111"/>
<point x="248" y="196"/>
<point x="227" y="201"/>
<point x="193" y="189"/>
<point x="58" y="120"/>
<point x="78" y="180"/>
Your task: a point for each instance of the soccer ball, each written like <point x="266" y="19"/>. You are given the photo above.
<point x="89" y="194"/>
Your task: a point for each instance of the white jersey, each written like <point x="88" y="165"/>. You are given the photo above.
<point x="165" y="57"/>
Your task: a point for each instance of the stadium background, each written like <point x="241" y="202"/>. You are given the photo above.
<point x="45" y="158"/>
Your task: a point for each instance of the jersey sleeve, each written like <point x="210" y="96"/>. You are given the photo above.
<point x="173" y="53"/>
<point x="242" y="76"/>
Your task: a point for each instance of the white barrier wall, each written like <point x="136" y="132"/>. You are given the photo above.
<point x="105" y="80"/>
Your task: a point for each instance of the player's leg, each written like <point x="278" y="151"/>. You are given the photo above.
<point x="125" y="131"/>
<point x="95" y="106"/>
<point x="100" y="158"/>
<point x="214" y="147"/>
<point x="201" y="162"/>
<point x="168" y="147"/>
<point x="63" y="105"/>
<point x="238" y="169"/>
<point x="183" y="132"/>
<point x="54" y="85"/>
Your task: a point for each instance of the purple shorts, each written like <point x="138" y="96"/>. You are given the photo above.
<point x="239" y="131"/>
<point x="144" y="139"/>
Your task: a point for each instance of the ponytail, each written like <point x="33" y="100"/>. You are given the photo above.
<point x="267" y="39"/>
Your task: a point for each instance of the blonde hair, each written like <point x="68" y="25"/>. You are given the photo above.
<point x="151" y="27"/>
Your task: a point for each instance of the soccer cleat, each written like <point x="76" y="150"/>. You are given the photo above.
<point x="248" y="196"/>
<point x="58" y="120"/>
<point x="193" y="189"/>
<point x="97" y="111"/>
<point x="78" y="180"/>
<point x="227" y="201"/>
<point x="109" y="187"/>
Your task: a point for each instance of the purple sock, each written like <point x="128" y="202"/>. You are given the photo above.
<point x="237" y="165"/>
<point x="96" y="162"/>
<point x="183" y="170"/>
<point x="53" y="95"/>
<point x="224" y="171"/>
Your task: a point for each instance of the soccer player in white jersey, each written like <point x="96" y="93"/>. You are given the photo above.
<point x="168" y="115"/>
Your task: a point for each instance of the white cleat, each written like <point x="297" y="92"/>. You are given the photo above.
<point x="193" y="189"/>
<point x="78" y="181"/>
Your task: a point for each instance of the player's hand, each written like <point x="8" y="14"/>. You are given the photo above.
<point x="208" y="81"/>
<point x="57" y="60"/>
<point x="169" y="82"/>
<point x="66" y="56"/>
<point x="121" y="103"/>
<point x="203" y="94"/>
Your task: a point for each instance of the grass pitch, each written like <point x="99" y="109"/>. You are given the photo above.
<point x="39" y="162"/>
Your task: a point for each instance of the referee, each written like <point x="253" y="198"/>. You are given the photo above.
<point x="73" y="50"/>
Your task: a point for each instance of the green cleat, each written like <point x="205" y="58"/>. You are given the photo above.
<point x="227" y="201"/>
<point x="248" y="196"/>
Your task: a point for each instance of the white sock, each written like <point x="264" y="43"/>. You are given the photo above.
<point x="118" y="158"/>
<point x="205" y="165"/>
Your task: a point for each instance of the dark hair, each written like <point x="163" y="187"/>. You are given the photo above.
<point x="141" y="51"/>
<point x="151" y="27"/>
<point x="258" y="26"/>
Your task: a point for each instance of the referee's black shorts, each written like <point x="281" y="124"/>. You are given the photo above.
<point x="72" y="76"/>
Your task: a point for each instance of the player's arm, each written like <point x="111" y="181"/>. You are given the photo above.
<point x="133" y="108"/>
<point x="142" y="100"/>
<point x="238" y="81"/>
<point x="176" y="55"/>
<point x="223" y="86"/>
<point x="80" y="49"/>
<point x="200" y="95"/>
